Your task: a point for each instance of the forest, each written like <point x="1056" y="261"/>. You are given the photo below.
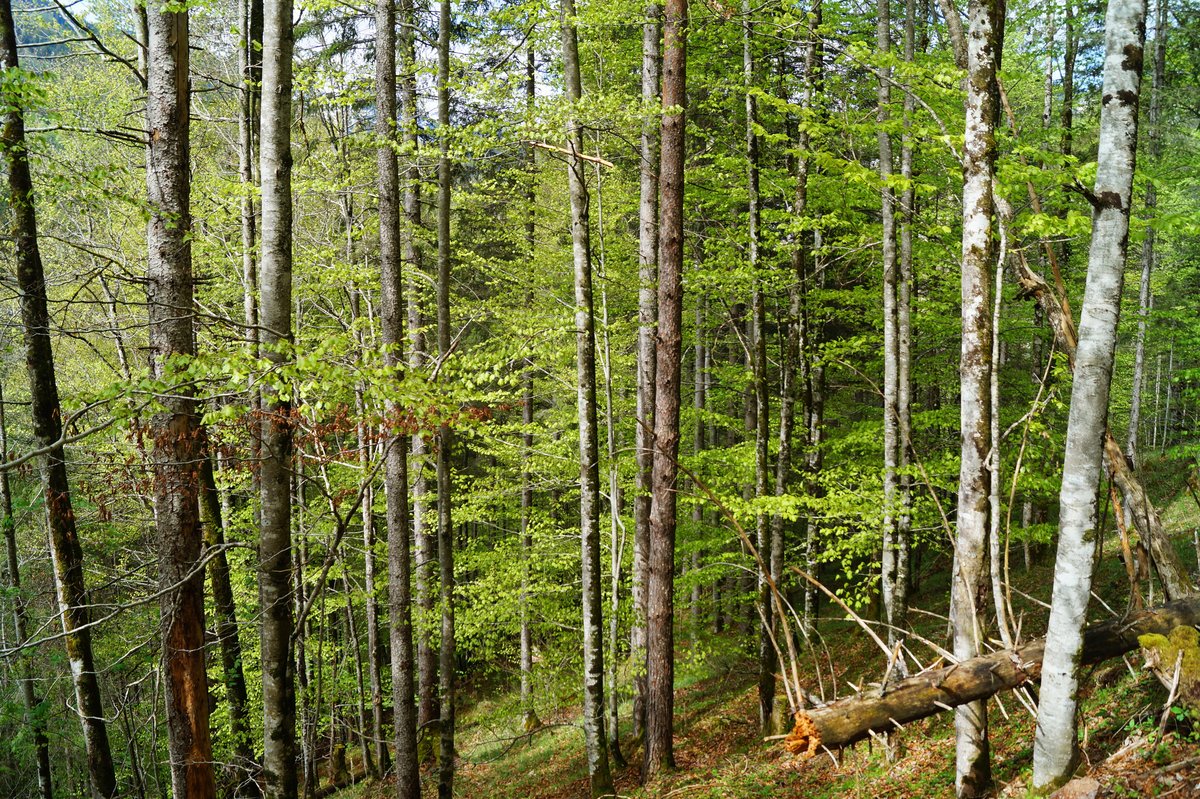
<point x="599" y="398"/>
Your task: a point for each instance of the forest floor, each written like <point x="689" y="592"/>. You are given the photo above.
<point x="720" y="752"/>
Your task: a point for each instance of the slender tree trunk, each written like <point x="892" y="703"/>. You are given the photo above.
<point x="660" y="584"/>
<point x="699" y="401"/>
<point x="1148" y="255"/>
<point x="530" y="719"/>
<point x="395" y="480"/>
<point x="226" y="623"/>
<point x="275" y="543"/>
<point x="995" y="552"/>
<point x="647" y="324"/>
<point x="250" y="68"/>
<point x="46" y="416"/>
<point x="973" y="775"/>
<point x="178" y="455"/>
<point x="892" y="586"/>
<point x="426" y="544"/>
<point x="1055" y="749"/>
<point x="445" y="488"/>
<point x="599" y="775"/>
<point x="8" y="525"/>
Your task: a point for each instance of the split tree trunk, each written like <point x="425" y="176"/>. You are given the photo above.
<point x="47" y="419"/>
<point x="973" y="775"/>
<point x="275" y="536"/>
<point x="178" y="454"/>
<point x="1055" y="747"/>
<point x="395" y="465"/>
<point x="855" y="718"/>
<point x="660" y="587"/>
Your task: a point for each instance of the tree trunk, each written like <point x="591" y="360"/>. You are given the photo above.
<point x="599" y="776"/>
<point x="24" y="669"/>
<point x="973" y="770"/>
<point x="1055" y="749"/>
<point x="395" y="480"/>
<point x="445" y="488"/>
<point x="1148" y="255"/>
<point x="891" y="588"/>
<point x="647" y="324"/>
<point x="275" y="542"/>
<point x="178" y="455"/>
<point x="660" y="584"/>
<point x="904" y="289"/>
<point x="226" y="623"/>
<point x="47" y="416"/>
<point x="855" y="718"/>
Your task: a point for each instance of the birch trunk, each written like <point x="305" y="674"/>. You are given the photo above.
<point x="599" y="776"/>
<point x="395" y="466"/>
<point x="660" y="584"/>
<point x="647" y="322"/>
<point x="529" y="719"/>
<point x="24" y="669"/>
<point x="1055" y="751"/>
<point x="986" y="37"/>
<point x="1148" y="254"/>
<point x="46" y="417"/>
<point x="178" y="455"/>
<point x="275" y="542"/>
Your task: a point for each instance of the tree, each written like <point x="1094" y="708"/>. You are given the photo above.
<point x="1055" y="748"/>
<point x="408" y="778"/>
<point x="985" y="42"/>
<point x="47" y="419"/>
<point x="275" y="535"/>
<point x="660" y="583"/>
<point x="178" y="452"/>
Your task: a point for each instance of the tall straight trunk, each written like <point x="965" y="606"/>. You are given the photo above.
<point x="529" y="715"/>
<point x="33" y="716"/>
<point x="758" y="359"/>
<point x="890" y="586"/>
<point x="395" y="465"/>
<point x="599" y="776"/>
<point x="647" y="327"/>
<point x="660" y="584"/>
<point x="379" y="761"/>
<point x="426" y="544"/>
<point x="904" y="288"/>
<point x="1148" y="255"/>
<point x="178" y="455"/>
<point x="699" y="401"/>
<point x="973" y="775"/>
<point x="1055" y="750"/>
<point x="46" y="417"/>
<point x="249" y="97"/>
<point x="275" y="529"/>
<point x="1167" y="384"/>
<point x="995" y="482"/>
<point x="1067" y="114"/>
<point x="445" y="489"/>
<point x="226" y="622"/>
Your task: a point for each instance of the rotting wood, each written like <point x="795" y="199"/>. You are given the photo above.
<point x="855" y="718"/>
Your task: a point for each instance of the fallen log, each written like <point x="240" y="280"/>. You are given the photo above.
<point x="852" y="719"/>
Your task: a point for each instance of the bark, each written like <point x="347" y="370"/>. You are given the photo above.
<point x="426" y="545"/>
<point x="855" y="718"/>
<point x="973" y="768"/>
<point x="445" y="488"/>
<point x="46" y="417"/>
<point x="250" y="67"/>
<point x="758" y="357"/>
<point x="660" y="584"/>
<point x="24" y="669"/>
<point x="178" y="455"/>
<point x="1055" y="747"/>
<point x="647" y="322"/>
<point x="395" y="467"/>
<point x="955" y="32"/>
<point x="904" y="288"/>
<point x="599" y="776"/>
<point x="893" y="594"/>
<point x="1148" y="255"/>
<point x="275" y="544"/>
